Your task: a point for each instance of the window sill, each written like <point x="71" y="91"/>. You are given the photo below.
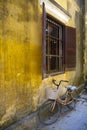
<point x="53" y="74"/>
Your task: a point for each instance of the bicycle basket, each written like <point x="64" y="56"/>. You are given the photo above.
<point x="51" y="93"/>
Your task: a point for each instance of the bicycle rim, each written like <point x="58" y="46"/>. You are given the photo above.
<point x="49" y="114"/>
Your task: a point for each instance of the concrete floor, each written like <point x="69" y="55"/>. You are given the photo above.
<point x="73" y="120"/>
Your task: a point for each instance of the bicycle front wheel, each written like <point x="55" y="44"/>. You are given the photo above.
<point x="49" y="112"/>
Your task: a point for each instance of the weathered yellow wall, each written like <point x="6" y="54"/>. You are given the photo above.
<point x="20" y="57"/>
<point x="76" y="76"/>
<point x="68" y="75"/>
<point x="21" y="86"/>
<point x="63" y="3"/>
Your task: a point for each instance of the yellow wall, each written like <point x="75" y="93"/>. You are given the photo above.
<point x="63" y="3"/>
<point x="76" y="76"/>
<point x="21" y="84"/>
<point x="20" y="57"/>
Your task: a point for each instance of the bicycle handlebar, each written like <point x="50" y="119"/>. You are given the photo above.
<point x="54" y="82"/>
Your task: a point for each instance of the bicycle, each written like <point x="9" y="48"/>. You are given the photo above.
<point x="50" y="110"/>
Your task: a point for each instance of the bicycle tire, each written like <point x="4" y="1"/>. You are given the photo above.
<point x="48" y="116"/>
<point x="72" y="104"/>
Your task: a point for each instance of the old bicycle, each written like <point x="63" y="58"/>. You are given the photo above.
<point x="50" y="110"/>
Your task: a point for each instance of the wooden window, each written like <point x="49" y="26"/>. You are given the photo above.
<point x="59" y="46"/>
<point x="44" y="42"/>
<point x="54" y="46"/>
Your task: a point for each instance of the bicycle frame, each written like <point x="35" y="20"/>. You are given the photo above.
<point x="69" y="98"/>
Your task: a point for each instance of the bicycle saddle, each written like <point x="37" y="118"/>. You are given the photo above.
<point x="71" y="88"/>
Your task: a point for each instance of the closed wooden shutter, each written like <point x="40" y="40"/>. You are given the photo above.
<point x="70" y="48"/>
<point x="43" y="41"/>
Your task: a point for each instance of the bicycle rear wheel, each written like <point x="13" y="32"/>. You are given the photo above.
<point x="49" y="112"/>
<point x="72" y="104"/>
